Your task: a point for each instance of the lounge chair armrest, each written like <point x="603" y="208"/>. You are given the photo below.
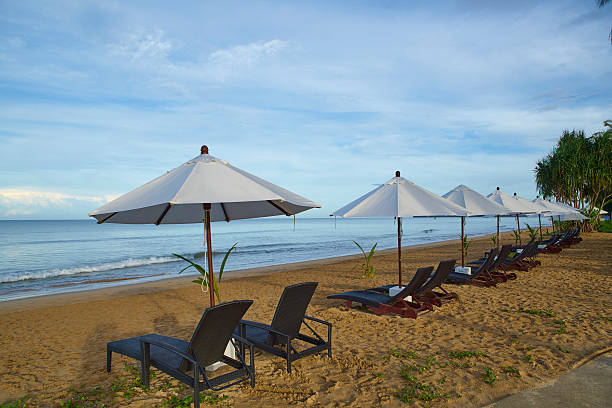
<point x="242" y="340"/>
<point x="262" y="326"/>
<point x="172" y="349"/>
<point x="314" y="319"/>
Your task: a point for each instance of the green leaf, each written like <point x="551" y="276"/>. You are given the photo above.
<point x="372" y="252"/>
<point x="195" y="265"/>
<point x="227" y="254"/>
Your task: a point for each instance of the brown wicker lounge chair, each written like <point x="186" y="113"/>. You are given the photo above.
<point x="178" y="358"/>
<point x="378" y="301"/>
<point x="279" y="336"/>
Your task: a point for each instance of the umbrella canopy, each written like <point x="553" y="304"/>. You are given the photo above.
<point x="399" y="198"/>
<point x="476" y="204"/>
<point x="203" y="189"/>
<point x="177" y="196"/>
<point x="515" y="205"/>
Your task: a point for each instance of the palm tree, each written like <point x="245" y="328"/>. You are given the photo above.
<point x="601" y="4"/>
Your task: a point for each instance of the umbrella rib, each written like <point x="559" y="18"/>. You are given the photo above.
<point x="224" y="212"/>
<point x="106" y="218"/>
<point x="161" y="217"/>
<point x="278" y="207"/>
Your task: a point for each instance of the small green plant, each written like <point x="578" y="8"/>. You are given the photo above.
<point x="528" y="358"/>
<point x="546" y="312"/>
<point x="511" y="370"/>
<point x="398" y="352"/>
<point x="562" y="326"/>
<point x="416" y="390"/>
<point x="516" y="236"/>
<point x="413" y="367"/>
<point x="494" y="240"/>
<point x="533" y="233"/>
<point x="207" y="397"/>
<point x="528" y="348"/>
<point x="606" y="318"/>
<point x="561" y="349"/>
<point x="20" y="403"/>
<point x="466" y="354"/>
<point x="203" y="281"/>
<point x="466" y="245"/>
<point x="366" y="267"/>
<point x="489" y="377"/>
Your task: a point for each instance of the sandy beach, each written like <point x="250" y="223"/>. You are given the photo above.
<point x="490" y="343"/>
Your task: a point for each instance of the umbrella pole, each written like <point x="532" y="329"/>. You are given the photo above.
<point x="552" y="219"/>
<point x="399" y="249"/>
<point x="498" y="232"/>
<point x="211" y="275"/>
<point x="462" y="248"/>
<point x="540" y="222"/>
<point x="518" y="226"/>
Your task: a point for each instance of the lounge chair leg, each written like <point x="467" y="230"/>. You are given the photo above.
<point x="288" y="366"/>
<point x="329" y="341"/>
<point x="252" y="357"/>
<point x="196" y="386"/>
<point x="109" y="355"/>
<point x="146" y="353"/>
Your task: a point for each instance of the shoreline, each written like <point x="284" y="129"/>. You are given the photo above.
<point x="176" y="282"/>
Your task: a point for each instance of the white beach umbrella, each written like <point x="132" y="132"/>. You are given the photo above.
<point x="399" y="198"/>
<point x="549" y="209"/>
<point x="476" y="204"/>
<point x="513" y="205"/>
<point x="204" y="189"/>
<point x="570" y="213"/>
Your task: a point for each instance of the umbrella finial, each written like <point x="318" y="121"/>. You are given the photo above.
<point x="204" y="149"/>
<point x="397" y="174"/>
<point x="498" y="188"/>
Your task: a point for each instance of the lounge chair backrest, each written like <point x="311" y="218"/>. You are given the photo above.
<point x="487" y="263"/>
<point x="291" y="308"/>
<point x="439" y="277"/>
<point x="214" y="331"/>
<point x="524" y="253"/>
<point x="503" y="254"/>
<point x="417" y="281"/>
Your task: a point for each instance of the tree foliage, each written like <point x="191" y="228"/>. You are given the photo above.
<point x="578" y="171"/>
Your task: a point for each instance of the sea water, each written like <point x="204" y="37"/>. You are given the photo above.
<point x="46" y="257"/>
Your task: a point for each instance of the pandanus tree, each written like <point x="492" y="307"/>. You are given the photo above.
<point x="578" y="171"/>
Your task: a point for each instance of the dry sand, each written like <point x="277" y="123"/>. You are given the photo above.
<point x="53" y="348"/>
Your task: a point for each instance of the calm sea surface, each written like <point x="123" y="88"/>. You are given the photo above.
<point x="45" y="257"/>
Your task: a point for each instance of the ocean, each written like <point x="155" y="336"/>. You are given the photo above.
<point x="47" y="257"/>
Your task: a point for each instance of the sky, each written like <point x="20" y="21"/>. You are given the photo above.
<point x="325" y="98"/>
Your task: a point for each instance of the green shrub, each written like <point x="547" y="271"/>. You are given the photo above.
<point x="605" y="226"/>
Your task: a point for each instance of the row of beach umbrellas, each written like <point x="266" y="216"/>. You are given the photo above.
<point x="207" y="189"/>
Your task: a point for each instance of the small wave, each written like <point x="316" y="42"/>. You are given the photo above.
<point x="127" y="263"/>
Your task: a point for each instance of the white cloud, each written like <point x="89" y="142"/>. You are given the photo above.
<point x="236" y="59"/>
<point x="142" y="45"/>
<point x="23" y="202"/>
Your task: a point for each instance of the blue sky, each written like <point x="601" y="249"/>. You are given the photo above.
<point x="326" y="99"/>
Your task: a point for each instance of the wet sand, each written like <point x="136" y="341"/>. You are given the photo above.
<point x="470" y="352"/>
